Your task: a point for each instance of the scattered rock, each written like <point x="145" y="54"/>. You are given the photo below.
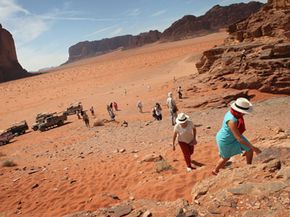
<point x="242" y="189"/>
<point x="121" y="210"/>
<point x="273" y="165"/>
<point x="152" y="158"/>
<point x="147" y="214"/>
<point x="35" y="186"/>
<point x="115" y="197"/>
<point x="122" y="150"/>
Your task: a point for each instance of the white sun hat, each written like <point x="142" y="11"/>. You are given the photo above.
<point x="182" y="118"/>
<point x="242" y="105"/>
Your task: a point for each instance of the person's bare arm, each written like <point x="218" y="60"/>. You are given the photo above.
<point x="233" y="127"/>
<point x="173" y="142"/>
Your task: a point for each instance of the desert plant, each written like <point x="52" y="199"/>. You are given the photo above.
<point x="8" y="163"/>
<point x="162" y="165"/>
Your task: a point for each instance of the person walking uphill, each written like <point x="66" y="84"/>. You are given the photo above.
<point x="172" y="108"/>
<point x="186" y="132"/>
<point x="230" y="139"/>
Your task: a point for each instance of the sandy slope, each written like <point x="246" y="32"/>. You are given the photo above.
<point x="78" y="168"/>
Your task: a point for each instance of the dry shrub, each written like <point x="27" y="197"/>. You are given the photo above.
<point x="8" y="163"/>
<point x="162" y="165"/>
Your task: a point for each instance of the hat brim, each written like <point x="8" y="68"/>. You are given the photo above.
<point x="182" y="121"/>
<point x="248" y="111"/>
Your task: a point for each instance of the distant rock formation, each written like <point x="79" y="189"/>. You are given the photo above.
<point x="256" y="55"/>
<point x="216" y="18"/>
<point x="188" y="26"/>
<point x="10" y="69"/>
<point x="88" y="49"/>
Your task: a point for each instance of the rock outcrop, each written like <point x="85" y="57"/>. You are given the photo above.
<point x="216" y="18"/>
<point x="255" y="55"/>
<point x="10" y="69"/>
<point x="87" y="49"/>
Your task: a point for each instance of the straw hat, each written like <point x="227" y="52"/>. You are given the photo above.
<point x="242" y="105"/>
<point x="182" y="118"/>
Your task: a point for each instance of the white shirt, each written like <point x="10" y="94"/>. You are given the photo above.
<point x="185" y="134"/>
<point x="170" y="102"/>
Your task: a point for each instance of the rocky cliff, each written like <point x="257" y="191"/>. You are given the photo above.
<point x="10" y="69"/>
<point x="87" y="49"/>
<point x="188" y="26"/>
<point x="255" y="55"/>
<point x="216" y="18"/>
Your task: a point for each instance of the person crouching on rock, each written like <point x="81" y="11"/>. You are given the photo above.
<point x="230" y="139"/>
<point x="186" y="132"/>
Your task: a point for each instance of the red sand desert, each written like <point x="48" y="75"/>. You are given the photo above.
<point x="73" y="168"/>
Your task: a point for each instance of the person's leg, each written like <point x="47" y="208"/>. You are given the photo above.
<point x="249" y="156"/>
<point x="220" y="165"/>
<point x="186" y="153"/>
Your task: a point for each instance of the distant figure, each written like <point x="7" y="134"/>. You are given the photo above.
<point x="179" y="92"/>
<point x="86" y="119"/>
<point x="125" y="91"/>
<point x="111" y="113"/>
<point x="78" y="113"/>
<point x="186" y="132"/>
<point x="115" y="105"/>
<point x="156" y="112"/>
<point x="92" y="111"/>
<point x="243" y="55"/>
<point x="171" y="105"/>
<point x="174" y="79"/>
<point x="140" y="106"/>
<point x="230" y="139"/>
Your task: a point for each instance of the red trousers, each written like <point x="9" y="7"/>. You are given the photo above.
<point x="187" y="151"/>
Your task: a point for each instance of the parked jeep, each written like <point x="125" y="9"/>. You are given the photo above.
<point x="40" y="119"/>
<point x="18" y="128"/>
<point x="73" y="108"/>
<point x="5" y="137"/>
<point x="52" y="121"/>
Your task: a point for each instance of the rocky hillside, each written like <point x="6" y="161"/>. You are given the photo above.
<point x="92" y="48"/>
<point x="10" y="69"/>
<point x="254" y="56"/>
<point x="216" y="18"/>
<point x="261" y="189"/>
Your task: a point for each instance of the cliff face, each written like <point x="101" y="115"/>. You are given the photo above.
<point x="255" y="55"/>
<point x="216" y="18"/>
<point x="188" y="26"/>
<point x="10" y="69"/>
<point x="87" y="49"/>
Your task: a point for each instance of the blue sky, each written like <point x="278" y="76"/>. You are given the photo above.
<point x="43" y="30"/>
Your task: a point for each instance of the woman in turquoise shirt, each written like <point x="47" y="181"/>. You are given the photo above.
<point x="230" y="139"/>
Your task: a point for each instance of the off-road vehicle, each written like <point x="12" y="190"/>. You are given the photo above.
<point x="73" y="108"/>
<point x="18" y="128"/>
<point x="5" y="137"/>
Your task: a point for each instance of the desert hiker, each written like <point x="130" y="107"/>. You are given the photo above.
<point x="230" y="139"/>
<point x="156" y="112"/>
<point x="111" y="113"/>
<point x="86" y="119"/>
<point x="171" y="105"/>
<point x="140" y="106"/>
<point x="115" y="105"/>
<point x="92" y="111"/>
<point x="179" y="92"/>
<point x="186" y="132"/>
